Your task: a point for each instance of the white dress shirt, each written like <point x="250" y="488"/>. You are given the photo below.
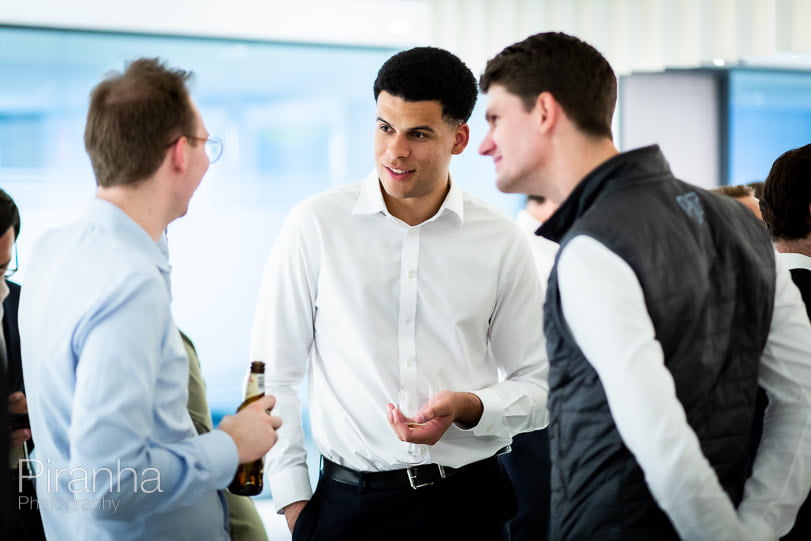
<point x="641" y="394"/>
<point x="793" y="260"/>
<point x="370" y="304"/>
<point x="543" y="249"/>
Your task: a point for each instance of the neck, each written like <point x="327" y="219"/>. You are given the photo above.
<point x="794" y="246"/>
<point x="140" y="203"/>
<point x="416" y="210"/>
<point x="577" y="156"/>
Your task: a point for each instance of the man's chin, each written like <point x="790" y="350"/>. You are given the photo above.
<point x="506" y="185"/>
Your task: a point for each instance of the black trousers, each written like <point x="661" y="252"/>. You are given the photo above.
<point x="472" y="504"/>
<point x="529" y="468"/>
<point x="24" y="522"/>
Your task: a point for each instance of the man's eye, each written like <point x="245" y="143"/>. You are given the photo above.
<point x="418" y="135"/>
<point x="384" y="128"/>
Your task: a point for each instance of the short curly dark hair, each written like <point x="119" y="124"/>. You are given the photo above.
<point x="9" y="215"/>
<point x="787" y="195"/>
<point x="430" y="74"/>
<point x="573" y="71"/>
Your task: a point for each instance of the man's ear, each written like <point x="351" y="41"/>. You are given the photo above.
<point x="461" y="138"/>
<point x="178" y="155"/>
<point x="548" y="110"/>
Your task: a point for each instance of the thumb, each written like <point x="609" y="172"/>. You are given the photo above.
<point x="265" y="403"/>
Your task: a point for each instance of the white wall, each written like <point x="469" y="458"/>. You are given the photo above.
<point x="350" y="22"/>
<point x="679" y="112"/>
<point x="635" y="35"/>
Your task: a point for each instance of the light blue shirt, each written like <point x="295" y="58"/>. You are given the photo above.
<point x="117" y="456"/>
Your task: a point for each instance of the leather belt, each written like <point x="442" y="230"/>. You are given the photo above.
<point x="415" y="477"/>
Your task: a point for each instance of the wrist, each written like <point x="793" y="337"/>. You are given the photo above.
<point x="470" y="409"/>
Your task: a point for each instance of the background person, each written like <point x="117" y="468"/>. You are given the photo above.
<point x="743" y="194"/>
<point x="528" y="463"/>
<point x="24" y="522"/>
<point x="786" y="208"/>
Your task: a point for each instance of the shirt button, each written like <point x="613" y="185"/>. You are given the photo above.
<point x="412" y="232"/>
<point x="408" y="319"/>
<point x="410" y="363"/>
<point x="411" y="274"/>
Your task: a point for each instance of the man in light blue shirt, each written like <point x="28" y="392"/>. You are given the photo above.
<point x="117" y="454"/>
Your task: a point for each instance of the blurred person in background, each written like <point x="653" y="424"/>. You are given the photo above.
<point x="25" y="522"/>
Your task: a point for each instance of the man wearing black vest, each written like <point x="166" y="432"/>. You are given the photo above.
<point x="664" y="312"/>
<point x="786" y="210"/>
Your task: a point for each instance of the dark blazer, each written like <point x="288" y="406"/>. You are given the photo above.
<point x="11" y="332"/>
<point x="802" y="279"/>
<point x="802" y="528"/>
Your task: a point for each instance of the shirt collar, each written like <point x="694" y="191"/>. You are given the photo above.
<point x="107" y="216"/>
<point x="795" y="261"/>
<point x="370" y="199"/>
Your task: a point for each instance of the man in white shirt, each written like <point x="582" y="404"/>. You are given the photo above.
<point x="401" y="281"/>
<point x="664" y="312"/>
<point x="786" y="206"/>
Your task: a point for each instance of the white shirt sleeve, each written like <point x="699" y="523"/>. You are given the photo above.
<point x="518" y="403"/>
<point x="781" y="476"/>
<point x="605" y="309"/>
<point x="282" y="336"/>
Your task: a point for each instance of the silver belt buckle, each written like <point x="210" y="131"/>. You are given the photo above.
<point x="412" y="477"/>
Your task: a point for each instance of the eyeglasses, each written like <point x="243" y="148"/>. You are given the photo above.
<point x="213" y="146"/>
<point x="10" y="268"/>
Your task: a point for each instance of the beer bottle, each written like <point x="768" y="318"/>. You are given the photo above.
<point x="248" y="479"/>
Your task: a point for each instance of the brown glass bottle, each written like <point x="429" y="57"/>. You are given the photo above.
<point x="248" y="479"/>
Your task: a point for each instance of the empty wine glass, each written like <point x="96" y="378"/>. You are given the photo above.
<point x="410" y="403"/>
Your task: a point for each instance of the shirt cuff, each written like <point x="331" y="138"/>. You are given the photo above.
<point x="290" y="485"/>
<point x="221" y="455"/>
<point x="492" y="420"/>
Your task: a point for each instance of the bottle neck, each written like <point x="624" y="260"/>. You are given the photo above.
<point x="256" y="385"/>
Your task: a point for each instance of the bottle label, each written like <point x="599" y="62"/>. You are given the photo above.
<point x="256" y="385"/>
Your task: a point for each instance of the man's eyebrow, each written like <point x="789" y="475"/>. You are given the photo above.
<point x="414" y="128"/>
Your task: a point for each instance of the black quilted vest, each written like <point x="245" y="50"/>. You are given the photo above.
<point x="706" y="267"/>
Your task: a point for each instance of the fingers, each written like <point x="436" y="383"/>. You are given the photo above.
<point x="292" y="512"/>
<point x="20" y="436"/>
<point x="17" y="403"/>
<point x="266" y="403"/>
<point x="397" y="421"/>
<point x="441" y="405"/>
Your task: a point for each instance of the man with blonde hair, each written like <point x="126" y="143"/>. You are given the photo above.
<point x="106" y="371"/>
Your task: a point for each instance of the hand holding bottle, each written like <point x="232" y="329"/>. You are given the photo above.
<point x="253" y="429"/>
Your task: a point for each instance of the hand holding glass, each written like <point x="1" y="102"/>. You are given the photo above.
<point x="409" y="404"/>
